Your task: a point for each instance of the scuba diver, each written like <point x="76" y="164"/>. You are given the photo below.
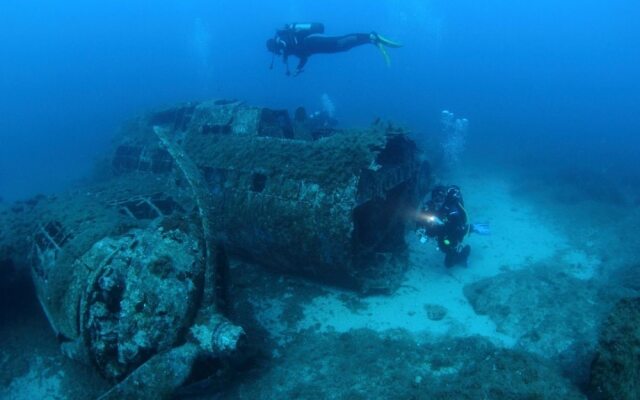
<point x="304" y="40"/>
<point x="321" y="120"/>
<point x="444" y="218"/>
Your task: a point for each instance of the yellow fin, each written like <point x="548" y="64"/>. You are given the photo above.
<point x="387" y="60"/>
<point x="388" y="42"/>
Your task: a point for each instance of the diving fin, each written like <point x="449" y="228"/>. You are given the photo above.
<point x="387" y="60"/>
<point x="382" y="43"/>
<point x="389" y="43"/>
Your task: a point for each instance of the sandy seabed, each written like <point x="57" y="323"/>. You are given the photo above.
<point x="540" y="284"/>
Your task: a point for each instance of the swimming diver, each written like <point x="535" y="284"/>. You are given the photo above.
<point x="304" y="40"/>
<point x="444" y="218"/>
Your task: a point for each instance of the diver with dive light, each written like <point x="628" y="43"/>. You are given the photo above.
<point x="444" y="218"/>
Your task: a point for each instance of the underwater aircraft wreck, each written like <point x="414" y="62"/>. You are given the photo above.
<point x="129" y="268"/>
<point x="334" y="209"/>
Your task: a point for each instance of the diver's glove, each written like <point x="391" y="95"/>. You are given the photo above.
<point x="481" y="229"/>
<point x="422" y="235"/>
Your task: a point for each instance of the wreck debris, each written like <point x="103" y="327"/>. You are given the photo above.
<point x="124" y="271"/>
<point x="334" y="208"/>
<point x="130" y="270"/>
<point x="615" y="368"/>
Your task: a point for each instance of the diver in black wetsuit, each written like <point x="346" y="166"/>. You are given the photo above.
<point x="304" y="40"/>
<point x="444" y="218"/>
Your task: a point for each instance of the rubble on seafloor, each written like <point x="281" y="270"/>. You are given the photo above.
<point x="615" y="373"/>
<point x="519" y="302"/>
<point x="397" y="366"/>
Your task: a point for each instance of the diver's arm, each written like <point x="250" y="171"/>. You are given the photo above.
<point x="301" y="64"/>
<point x="285" y="60"/>
<point x="482" y="229"/>
<point x="456" y="221"/>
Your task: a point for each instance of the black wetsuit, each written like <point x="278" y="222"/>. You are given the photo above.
<point x="453" y="230"/>
<point x="302" y="41"/>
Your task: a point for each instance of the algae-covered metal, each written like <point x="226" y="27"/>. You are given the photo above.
<point x="334" y="208"/>
<point x="125" y="267"/>
<point x="125" y="273"/>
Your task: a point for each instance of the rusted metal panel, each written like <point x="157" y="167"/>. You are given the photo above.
<point x="300" y="205"/>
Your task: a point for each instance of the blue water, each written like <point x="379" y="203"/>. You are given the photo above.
<point x="552" y="81"/>
<point x="549" y="88"/>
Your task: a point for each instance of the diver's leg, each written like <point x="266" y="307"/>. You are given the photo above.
<point x="464" y="255"/>
<point x="455" y="254"/>
<point x="335" y="44"/>
<point x="449" y="259"/>
<point x="449" y="252"/>
<point x="348" y="42"/>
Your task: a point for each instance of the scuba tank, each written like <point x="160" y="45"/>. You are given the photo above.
<point x="290" y="34"/>
<point x="306" y="28"/>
